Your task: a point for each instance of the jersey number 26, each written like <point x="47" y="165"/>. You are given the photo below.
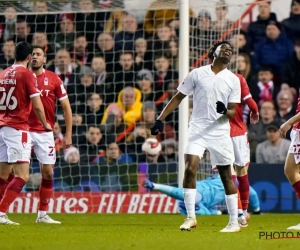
<point x="7" y="98"/>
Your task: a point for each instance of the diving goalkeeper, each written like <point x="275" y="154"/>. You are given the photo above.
<point x="210" y="193"/>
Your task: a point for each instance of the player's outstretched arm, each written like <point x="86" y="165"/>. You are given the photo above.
<point x="65" y="104"/>
<point x="39" y="111"/>
<point x="172" y="104"/>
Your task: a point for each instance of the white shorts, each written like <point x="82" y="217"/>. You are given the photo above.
<point x="44" y="147"/>
<point x="241" y="150"/>
<point x="295" y="145"/>
<point x="15" y="145"/>
<point x="220" y="149"/>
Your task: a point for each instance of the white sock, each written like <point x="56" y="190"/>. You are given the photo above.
<point x="1" y="213"/>
<point x="240" y="211"/>
<point x="245" y="212"/>
<point x="232" y="206"/>
<point x="189" y="195"/>
<point x="41" y="213"/>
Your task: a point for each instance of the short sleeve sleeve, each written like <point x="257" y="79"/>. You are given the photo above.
<point x="31" y="85"/>
<point x="60" y="90"/>
<point x="235" y="95"/>
<point x="187" y="86"/>
<point x="245" y="89"/>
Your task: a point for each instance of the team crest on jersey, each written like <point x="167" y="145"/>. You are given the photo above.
<point x="46" y="81"/>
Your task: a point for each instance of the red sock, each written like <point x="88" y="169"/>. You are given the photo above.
<point x="45" y="194"/>
<point x="244" y="189"/>
<point x="4" y="184"/>
<point x="296" y="187"/>
<point x="239" y="200"/>
<point x="13" y="189"/>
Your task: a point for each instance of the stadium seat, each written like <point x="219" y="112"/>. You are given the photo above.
<point x="87" y="186"/>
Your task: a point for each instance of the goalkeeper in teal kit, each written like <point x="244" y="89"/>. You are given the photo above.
<point x="210" y="193"/>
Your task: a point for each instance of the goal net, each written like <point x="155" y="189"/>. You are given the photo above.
<point x="118" y="60"/>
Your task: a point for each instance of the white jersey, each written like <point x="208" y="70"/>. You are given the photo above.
<point x="208" y="88"/>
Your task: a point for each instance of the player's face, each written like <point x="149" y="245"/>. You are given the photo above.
<point x="224" y="52"/>
<point x="38" y="59"/>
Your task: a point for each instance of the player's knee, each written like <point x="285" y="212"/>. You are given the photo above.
<point x="289" y="172"/>
<point x="47" y="174"/>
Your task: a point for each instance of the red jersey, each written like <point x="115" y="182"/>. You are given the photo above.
<point x="17" y="86"/>
<point x="297" y="125"/>
<point x="237" y="125"/>
<point x="51" y="88"/>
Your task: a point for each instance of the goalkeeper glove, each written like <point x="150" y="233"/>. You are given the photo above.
<point x="157" y="127"/>
<point x="221" y="109"/>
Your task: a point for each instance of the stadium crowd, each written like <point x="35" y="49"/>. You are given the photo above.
<point x="119" y="72"/>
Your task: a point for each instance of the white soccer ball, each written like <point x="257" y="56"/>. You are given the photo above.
<point x="151" y="146"/>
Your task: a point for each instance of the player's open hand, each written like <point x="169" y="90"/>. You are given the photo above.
<point x="254" y="118"/>
<point x="67" y="141"/>
<point x="157" y="127"/>
<point x="284" y="128"/>
<point x="48" y="127"/>
<point x="221" y="108"/>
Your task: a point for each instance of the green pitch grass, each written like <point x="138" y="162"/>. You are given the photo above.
<point x="143" y="232"/>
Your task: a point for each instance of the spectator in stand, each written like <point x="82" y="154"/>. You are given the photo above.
<point x="9" y="26"/>
<point x="164" y="73"/>
<point x="257" y="132"/>
<point x="78" y="92"/>
<point x="202" y="34"/>
<point x="162" y="38"/>
<point x="64" y="38"/>
<point x="244" y="67"/>
<point x="94" y="109"/>
<point x="124" y="75"/>
<point x="92" y="145"/>
<point x="105" y="48"/>
<point x="222" y="24"/>
<point x="81" y="51"/>
<point x="78" y="128"/>
<point x="114" y="24"/>
<point x="173" y="44"/>
<point x="63" y="67"/>
<point x="257" y="29"/>
<point x="263" y="89"/>
<point x="135" y="140"/>
<point x="274" y="149"/>
<point x="290" y="75"/>
<point x="143" y="57"/>
<point x="88" y="22"/>
<point x="40" y="39"/>
<point x="145" y="81"/>
<point x="8" y="57"/>
<point x="22" y="31"/>
<point x="114" y="155"/>
<point x="41" y="22"/>
<point x="64" y="5"/>
<point x="285" y="109"/>
<point x="129" y="105"/>
<point x="158" y="14"/>
<point x="291" y="25"/>
<point x="100" y="74"/>
<point x="239" y="43"/>
<point x="148" y="119"/>
<point x="124" y="40"/>
<point x="72" y="155"/>
<point x="275" y="50"/>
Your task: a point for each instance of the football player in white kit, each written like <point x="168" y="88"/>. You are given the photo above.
<point x="216" y="92"/>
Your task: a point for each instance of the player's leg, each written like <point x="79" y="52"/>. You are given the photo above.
<point x="222" y="156"/>
<point x="244" y="187"/>
<point x="193" y="153"/>
<point x="18" y="154"/>
<point x="44" y="150"/>
<point x="6" y="177"/>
